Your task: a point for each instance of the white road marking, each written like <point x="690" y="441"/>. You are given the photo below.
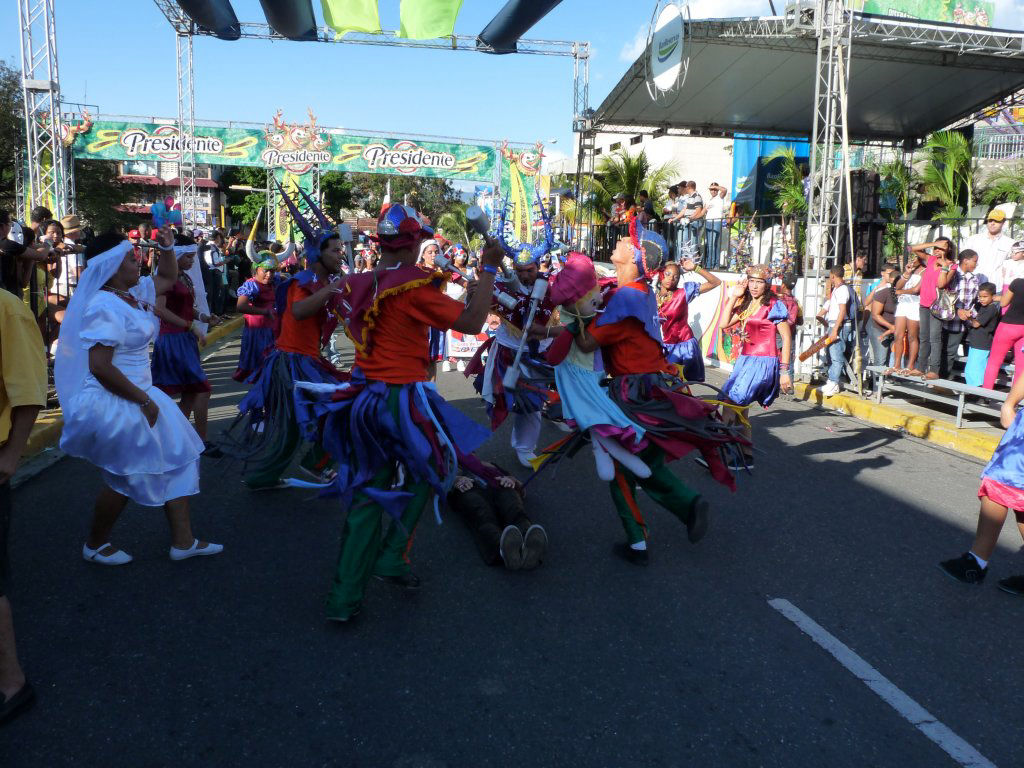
<point x="909" y="709"/>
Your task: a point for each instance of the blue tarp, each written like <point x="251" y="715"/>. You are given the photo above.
<point x="749" y="174"/>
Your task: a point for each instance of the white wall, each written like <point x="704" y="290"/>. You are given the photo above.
<point x="699" y="159"/>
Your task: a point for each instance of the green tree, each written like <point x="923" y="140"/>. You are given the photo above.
<point x="98" y="193"/>
<point x="786" y="191"/>
<point x="897" y="183"/>
<point x="335" y="192"/>
<point x="1005" y="185"/>
<point x="949" y="173"/>
<point x="245" y="205"/>
<point x="621" y="172"/>
<point x="428" y="195"/>
<point x="453" y="225"/>
<point x="12" y="133"/>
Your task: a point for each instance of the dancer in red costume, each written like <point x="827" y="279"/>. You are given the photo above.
<point x="756" y="316"/>
<point x="397" y="442"/>
<point x="273" y="419"/>
<point x="674" y="310"/>
<point x="644" y="388"/>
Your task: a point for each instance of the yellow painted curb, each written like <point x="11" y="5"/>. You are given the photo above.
<point x="46" y="431"/>
<point x="967" y="441"/>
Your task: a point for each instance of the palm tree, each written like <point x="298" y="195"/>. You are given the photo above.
<point x="621" y="172"/>
<point x="898" y="180"/>
<point x="1005" y="185"/>
<point x="787" y="194"/>
<point x="454" y="226"/>
<point x="949" y="172"/>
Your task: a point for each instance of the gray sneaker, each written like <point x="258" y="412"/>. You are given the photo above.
<point x="535" y="544"/>
<point x="511" y="548"/>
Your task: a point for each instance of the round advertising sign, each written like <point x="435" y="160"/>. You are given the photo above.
<point x="666" y="48"/>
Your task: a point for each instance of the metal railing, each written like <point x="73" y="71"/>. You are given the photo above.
<point x="731" y="245"/>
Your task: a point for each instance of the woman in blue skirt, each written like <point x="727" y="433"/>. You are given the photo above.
<point x="176" y="368"/>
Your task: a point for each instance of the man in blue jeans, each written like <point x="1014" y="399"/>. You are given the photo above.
<point x="837" y="314"/>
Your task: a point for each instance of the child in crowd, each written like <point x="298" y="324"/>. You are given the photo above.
<point x="982" y="328"/>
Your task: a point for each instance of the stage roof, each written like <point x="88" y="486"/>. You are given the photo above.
<point x="907" y="80"/>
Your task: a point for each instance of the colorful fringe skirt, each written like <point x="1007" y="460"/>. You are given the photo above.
<point x="369" y="425"/>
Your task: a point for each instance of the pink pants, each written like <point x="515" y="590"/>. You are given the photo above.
<point x="1007" y="335"/>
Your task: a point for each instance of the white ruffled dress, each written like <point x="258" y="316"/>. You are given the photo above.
<point x="149" y="465"/>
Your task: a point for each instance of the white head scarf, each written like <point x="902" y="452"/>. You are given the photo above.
<point x="71" y="363"/>
<point x="424" y="244"/>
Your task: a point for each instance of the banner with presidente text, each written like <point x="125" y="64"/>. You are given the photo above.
<point x="296" y="149"/>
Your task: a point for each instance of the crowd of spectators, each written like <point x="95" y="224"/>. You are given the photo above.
<point x="691" y="223"/>
<point x="948" y="313"/>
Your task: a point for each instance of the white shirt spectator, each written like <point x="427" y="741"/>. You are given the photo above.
<point x="717" y="207"/>
<point x="1008" y="272"/>
<point x="992" y="253"/>
<point x="70" y="265"/>
<point x="840" y="298"/>
<point x="214" y="258"/>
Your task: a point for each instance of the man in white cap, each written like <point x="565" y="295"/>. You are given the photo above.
<point x="992" y="247"/>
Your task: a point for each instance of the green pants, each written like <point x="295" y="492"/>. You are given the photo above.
<point x="363" y="552"/>
<point x="662" y="486"/>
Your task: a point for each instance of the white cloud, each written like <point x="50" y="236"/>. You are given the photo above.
<point x="632" y="50"/>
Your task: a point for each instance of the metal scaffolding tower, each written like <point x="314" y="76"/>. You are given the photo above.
<point x="830" y="21"/>
<point x="48" y="179"/>
<point x="186" y="130"/>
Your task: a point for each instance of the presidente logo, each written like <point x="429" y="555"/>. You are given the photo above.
<point x="296" y="148"/>
<point x="166" y="143"/>
<point x="667" y="47"/>
<point x="406" y="157"/>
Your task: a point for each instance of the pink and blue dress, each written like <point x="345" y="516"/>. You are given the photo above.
<point x="680" y="345"/>
<point x="755" y="374"/>
<point x="1003" y="477"/>
<point x="258" y="334"/>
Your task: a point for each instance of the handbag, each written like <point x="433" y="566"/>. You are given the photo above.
<point x="944" y="306"/>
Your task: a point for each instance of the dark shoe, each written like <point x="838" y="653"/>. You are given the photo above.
<point x="342" y="618"/>
<point x="964" y="568"/>
<point x="634" y="556"/>
<point x="211" y="451"/>
<point x="17" y="704"/>
<point x="409" y="581"/>
<point x="511" y="547"/>
<point x="1012" y="584"/>
<point x="535" y="544"/>
<point x="697" y="522"/>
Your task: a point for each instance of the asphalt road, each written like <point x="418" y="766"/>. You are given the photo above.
<point x="588" y="661"/>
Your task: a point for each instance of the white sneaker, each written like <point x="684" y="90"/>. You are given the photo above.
<point x="460" y="366"/>
<point x="196" y="551"/>
<point x="831" y="389"/>
<point x="446" y="366"/>
<point x="525" y="457"/>
<point x="119" y="557"/>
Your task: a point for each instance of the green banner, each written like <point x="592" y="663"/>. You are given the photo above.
<point x="294" y="148"/>
<point x="973" y="13"/>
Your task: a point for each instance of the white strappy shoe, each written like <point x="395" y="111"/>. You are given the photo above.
<point x="196" y="551"/>
<point x="119" y="557"/>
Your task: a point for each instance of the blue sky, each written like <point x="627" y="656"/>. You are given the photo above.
<point x="122" y="59"/>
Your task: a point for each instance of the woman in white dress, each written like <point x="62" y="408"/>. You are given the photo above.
<point x="114" y="417"/>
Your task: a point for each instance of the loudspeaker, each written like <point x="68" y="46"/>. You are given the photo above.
<point x="864" y="193"/>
